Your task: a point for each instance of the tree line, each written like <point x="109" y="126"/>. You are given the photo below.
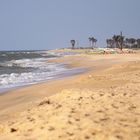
<point x="117" y="41"/>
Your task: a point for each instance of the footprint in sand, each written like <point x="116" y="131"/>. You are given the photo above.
<point x="13" y="130"/>
<point x="132" y="107"/>
<point x="31" y="119"/>
<point x="116" y="107"/>
<point x="100" y="111"/>
<point x="104" y="119"/>
<point x="51" y="128"/>
<point x="101" y="95"/>
<point x="119" y="137"/>
<point x="93" y="133"/>
<point x="87" y="137"/>
<point x="72" y="110"/>
<point x="70" y="133"/>
<point x="44" y="102"/>
<point x="30" y="130"/>
<point x="80" y="98"/>
<point x="92" y="98"/>
<point x="69" y="122"/>
<point x="87" y="114"/>
<point x="58" y="106"/>
<point x="77" y="119"/>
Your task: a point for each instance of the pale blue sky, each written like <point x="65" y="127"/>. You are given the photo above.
<point x="48" y="24"/>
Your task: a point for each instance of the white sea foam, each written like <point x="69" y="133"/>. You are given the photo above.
<point x="20" y="79"/>
<point x="42" y="71"/>
<point x="37" y="62"/>
<point x="30" y="71"/>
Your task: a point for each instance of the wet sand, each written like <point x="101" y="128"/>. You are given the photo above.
<point x="101" y="104"/>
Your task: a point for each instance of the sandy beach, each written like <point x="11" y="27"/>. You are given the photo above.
<point x="101" y="103"/>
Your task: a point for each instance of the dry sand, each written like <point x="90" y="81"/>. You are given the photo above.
<point x="100" y="104"/>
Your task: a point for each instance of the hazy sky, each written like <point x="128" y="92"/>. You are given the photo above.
<point x="48" y="24"/>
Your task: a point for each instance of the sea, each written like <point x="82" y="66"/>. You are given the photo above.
<point x="21" y="68"/>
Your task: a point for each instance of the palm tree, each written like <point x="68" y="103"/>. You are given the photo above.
<point x="130" y="42"/>
<point x="115" y="40"/>
<point x="72" y="43"/>
<point x="95" y="41"/>
<point x="138" y="43"/>
<point x="110" y="43"/>
<point x="107" y="42"/>
<point x="92" y="41"/>
<point x="118" y="40"/>
<point x="121" y="41"/>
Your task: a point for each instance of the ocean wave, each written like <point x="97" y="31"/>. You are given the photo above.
<point x="20" y="79"/>
<point x="17" y="72"/>
<point x="35" y="63"/>
<point x="17" y="55"/>
<point x="23" y="68"/>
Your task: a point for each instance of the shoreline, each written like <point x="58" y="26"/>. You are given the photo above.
<point x="8" y="98"/>
<point x="71" y="72"/>
<point x="107" y="75"/>
<point x="28" y="94"/>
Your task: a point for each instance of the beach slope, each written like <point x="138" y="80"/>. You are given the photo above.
<point x="101" y="104"/>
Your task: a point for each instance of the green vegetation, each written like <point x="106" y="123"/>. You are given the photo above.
<point x="119" y="41"/>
